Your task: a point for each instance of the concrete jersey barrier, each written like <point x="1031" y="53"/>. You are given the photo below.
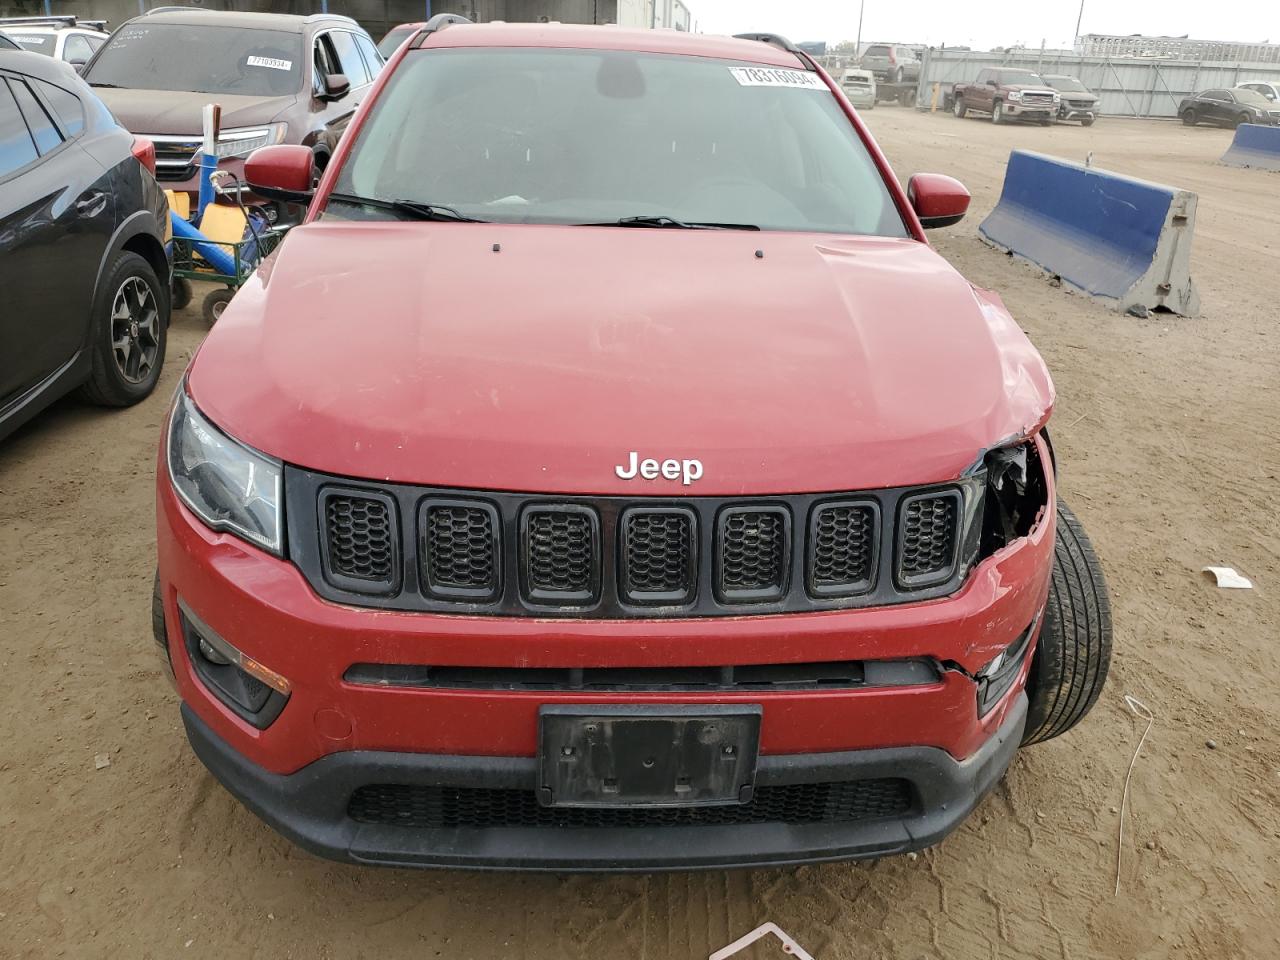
<point x="1122" y="240"/>
<point x="1254" y="146"/>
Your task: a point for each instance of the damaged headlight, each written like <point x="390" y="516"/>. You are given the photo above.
<point x="227" y="485"/>
<point x="1017" y="495"/>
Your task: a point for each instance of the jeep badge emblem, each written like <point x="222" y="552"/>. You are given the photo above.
<point x="686" y="471"/>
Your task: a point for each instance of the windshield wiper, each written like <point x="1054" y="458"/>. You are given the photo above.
<point x="672" y="222"/>
<point x="414" y="208"/>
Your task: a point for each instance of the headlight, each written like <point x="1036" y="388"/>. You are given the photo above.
<point x="1015" y="94"/>
<point x="242" y="141"/>
<point x="227" y="485"/>
<point x="1057" y="97"/>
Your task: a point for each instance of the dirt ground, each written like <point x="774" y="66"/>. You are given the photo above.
<point x="1167" y="432"/>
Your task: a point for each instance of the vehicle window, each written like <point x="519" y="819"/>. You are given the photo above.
<point x="372" y="59"/>
<point x="1217" y="95"/>
<point x="877" y="50"/>
<point x="36" y="42"/>
<point x="7" y="44"/>
<point x="984" y="76"/>
<point x="43" y="130"/>
<point x="17" y="149"/>
<point x="590" y="136"/>
<point x="1020" y="77"/>
<point x="325" y="63"/>
<point x="66" y="106"/>
<point x="95" y="42"/>
<point x="350" y="62"/>
<point x="1069" y="84"/>
<point x="76" y="48"/>
<point x="200" y="58"/>
<point x="1252" y="99"/>
<point x="391" y="42"/>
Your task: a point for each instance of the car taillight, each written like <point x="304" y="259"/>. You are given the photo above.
<point x="892" y="58"/>
<point x="145" y="151"/>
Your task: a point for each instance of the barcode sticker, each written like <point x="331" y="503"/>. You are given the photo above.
<point x="774" y="77"/>
<point x="271" y="62"/>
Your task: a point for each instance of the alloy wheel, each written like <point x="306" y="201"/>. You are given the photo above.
<point x="135" y="334"/>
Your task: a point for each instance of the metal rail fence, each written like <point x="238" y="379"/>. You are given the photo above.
<point x="1126" y="87"/>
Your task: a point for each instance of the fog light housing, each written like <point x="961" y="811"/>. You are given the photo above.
<point x="996" y="678"/>
<point x="253" y="692"/>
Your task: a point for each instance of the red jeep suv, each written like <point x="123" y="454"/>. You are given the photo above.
<point x="608" y="475"/>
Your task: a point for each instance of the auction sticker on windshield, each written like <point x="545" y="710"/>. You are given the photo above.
<point x="271" y="62"/>
<point x="770" y="77"/>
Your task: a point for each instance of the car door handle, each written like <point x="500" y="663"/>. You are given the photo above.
<point x="92" y="205"/>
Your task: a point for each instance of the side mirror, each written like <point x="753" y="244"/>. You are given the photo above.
<point x="937" y="200"/>
<point x="336" y="86"/>
<point x="282" y="172"/>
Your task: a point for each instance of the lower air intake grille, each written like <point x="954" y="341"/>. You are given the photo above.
<point x="360" y="540"/>
<point x="842" y="549"/>
<point x="460" y="550"/>
<point x="479" y="808"/>
<point x="659" y="563"/>
<point x="927" y="538"/>
<point x="754" y="546"/>
<point x="561" y="555"/>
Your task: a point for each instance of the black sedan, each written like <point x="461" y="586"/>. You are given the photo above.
<point x="1228" y="108"/>
<point x="83" y="226"/>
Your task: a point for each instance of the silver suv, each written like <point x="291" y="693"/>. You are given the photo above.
<point x="891" y="62"/>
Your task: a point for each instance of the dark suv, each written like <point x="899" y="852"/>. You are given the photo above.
<point x="278" y="78"/>
<point x="84" y="279"/>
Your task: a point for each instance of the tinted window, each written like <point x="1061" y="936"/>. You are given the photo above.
<point x="200" y="58"/>
<point x="1023" y="77"/>
<point x="76" y="48"/>
<point x="16" y="146"/>
<point x="7" y="44"/>
<point x="984" y="76"/>
<point x="66" y="106"/>
<point x="349" y="61"/>
<point x="1217" y="95"/>
<point x="39" y="42"/>
<point x="391" y="42"/>
<point x="877" y="51"/>
<point x="372" y="59"/>
<point x="1252" y="99"/>
<point x="1069" y="84"/>
<point x="39" y="122"/>
<point x="589" y="136"/>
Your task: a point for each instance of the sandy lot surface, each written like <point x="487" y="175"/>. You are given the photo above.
<point x="1167" y="431"/>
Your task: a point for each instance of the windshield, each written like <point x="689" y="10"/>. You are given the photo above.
<point x="200" y="58"/>
<point x="1069" y="84"/>
<point x="40" y="43"/>
<point x="1252" y="98"/>
<point x="592" y="136"/>
<point x="391" y="42"/>
<point x="1020" y="78"/>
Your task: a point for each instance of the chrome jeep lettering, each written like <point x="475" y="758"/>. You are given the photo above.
<point x="686" y="471"/>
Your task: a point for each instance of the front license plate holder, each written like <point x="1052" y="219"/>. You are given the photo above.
<point x="647" y="756"/>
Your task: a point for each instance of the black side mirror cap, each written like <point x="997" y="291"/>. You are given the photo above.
<point x="336" y="86"/>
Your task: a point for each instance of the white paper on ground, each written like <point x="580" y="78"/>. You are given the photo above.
<point x="788" y="945"/>
<point x="1228" y="579"/>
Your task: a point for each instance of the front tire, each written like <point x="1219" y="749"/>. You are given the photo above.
<point x="959" y="109"/>
<point x="1087" y="122"/>
<point x="1069" y="667"/>
<point x="130" y="328"/>
<point x="997" y="112"/>
<point x="1189" y="118"/>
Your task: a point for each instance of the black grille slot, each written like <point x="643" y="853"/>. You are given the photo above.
<point x="460" y="549"/>
<point x="561" y="555"/>
<point x="754" y="546"/>
<point x="360" y="541"/>
<point x="842" y="549"/>
<point x="429" y="807"/>
<point x="927" y="538"/>
<point x="659" y="560"/>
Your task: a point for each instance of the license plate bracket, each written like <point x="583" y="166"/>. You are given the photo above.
<point x="647" y="756"/>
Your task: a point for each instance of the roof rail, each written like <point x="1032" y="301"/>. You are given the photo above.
<point x="442" y="20"/>
<point x="61" y="21"/>
<point x="773" y="39"/>
<point x="147" y="13"/>
<point x="312" y="18"/>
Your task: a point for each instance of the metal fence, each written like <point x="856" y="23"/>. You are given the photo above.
<point x="1126" y="87"/>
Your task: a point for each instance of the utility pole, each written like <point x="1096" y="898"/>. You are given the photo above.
<point x="1076" y="38"/>
<point x="857" y="46"/>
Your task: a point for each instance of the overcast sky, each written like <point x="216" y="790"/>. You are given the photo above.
<point x="983" y="24"/>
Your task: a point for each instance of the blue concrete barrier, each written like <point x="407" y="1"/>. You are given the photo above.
<point x="1125" y="241"/>
<point x="1254" y="146"/>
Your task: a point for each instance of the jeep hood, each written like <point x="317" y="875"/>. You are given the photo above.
<point x="178" y="112"/>
<point x="535" y="358"/>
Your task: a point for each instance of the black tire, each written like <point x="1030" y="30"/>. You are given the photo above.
<point x="182" y="294"/>
<point x="215" y="302"/>
<point x="997" y="112"/>
<point x="1189" y="118"/>
<point x="1087" y="122"/>
<point x="128" y="336"/>
<point x="908" y="97"/>
<point x="958" y="108"/>
<point x="1242" y="118"/>
<point x="1070" y="664"/>
<point x="157" y="613"/>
